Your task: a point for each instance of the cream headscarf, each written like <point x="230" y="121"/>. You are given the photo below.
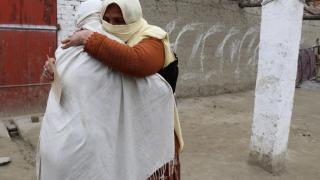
<point x="88" y="12"/>
<point x="136" y="28"/>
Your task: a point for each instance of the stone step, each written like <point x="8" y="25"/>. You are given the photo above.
<point x="11" y="127"/>
<point x="4" y="160"/>
<point x="4" y="131"/>
<point x="29" y="129"/>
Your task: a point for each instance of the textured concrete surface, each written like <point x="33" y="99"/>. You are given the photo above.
<point x="21" y="166"/>
<point x="217" y="132"/>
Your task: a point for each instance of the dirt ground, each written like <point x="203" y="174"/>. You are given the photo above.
<point x="217" y="133"/>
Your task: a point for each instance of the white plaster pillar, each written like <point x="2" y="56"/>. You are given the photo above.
<point x="281" y="25"/>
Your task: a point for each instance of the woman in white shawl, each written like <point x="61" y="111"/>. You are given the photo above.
<point x="108" y="125"/>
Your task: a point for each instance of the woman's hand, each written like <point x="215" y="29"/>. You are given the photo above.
<point x="77" y="39"/>
<point x="48" y="73"/>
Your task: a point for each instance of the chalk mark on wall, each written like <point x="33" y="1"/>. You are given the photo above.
<point x="214" y="29"/>
<point x="186" y="28"/>
<point x="171" y="26"/>
<point x="238" y="70"/>
<point x="219" y="51"/>
<point x="196" y="46"/>
<point x="235" y="50"/>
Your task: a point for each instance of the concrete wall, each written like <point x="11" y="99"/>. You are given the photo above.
<point x="216" y="41"/>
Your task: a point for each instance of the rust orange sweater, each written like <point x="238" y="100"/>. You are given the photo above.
<point x="144" y="59"/>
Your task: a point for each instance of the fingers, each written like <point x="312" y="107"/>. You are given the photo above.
<point x="65" y="40"/>
<point x="48" y="70"/>
<point x="46" y="65"/>
<point x="78" y="38"/>
<point x="49" y="59"/>
<point x="66" y="45"/>
<point x="49" y="67"/>
<point x="48" y="76"/>
<point x="48" y="73"/>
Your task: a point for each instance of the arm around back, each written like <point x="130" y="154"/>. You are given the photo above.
<point x="144" y="59"/>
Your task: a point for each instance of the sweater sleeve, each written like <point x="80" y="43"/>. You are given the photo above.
<point x="144" y="59"/>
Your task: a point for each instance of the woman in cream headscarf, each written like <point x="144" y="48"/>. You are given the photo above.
<point x="147" y="50"/>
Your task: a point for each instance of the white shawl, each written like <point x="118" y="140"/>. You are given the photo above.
<point x="106" y="126"/>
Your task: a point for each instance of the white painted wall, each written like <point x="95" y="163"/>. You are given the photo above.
<point x="66" y="10"/>
<point x="281" y="26"/>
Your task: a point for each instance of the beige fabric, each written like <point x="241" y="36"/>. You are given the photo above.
<point x="177" y="128"/>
